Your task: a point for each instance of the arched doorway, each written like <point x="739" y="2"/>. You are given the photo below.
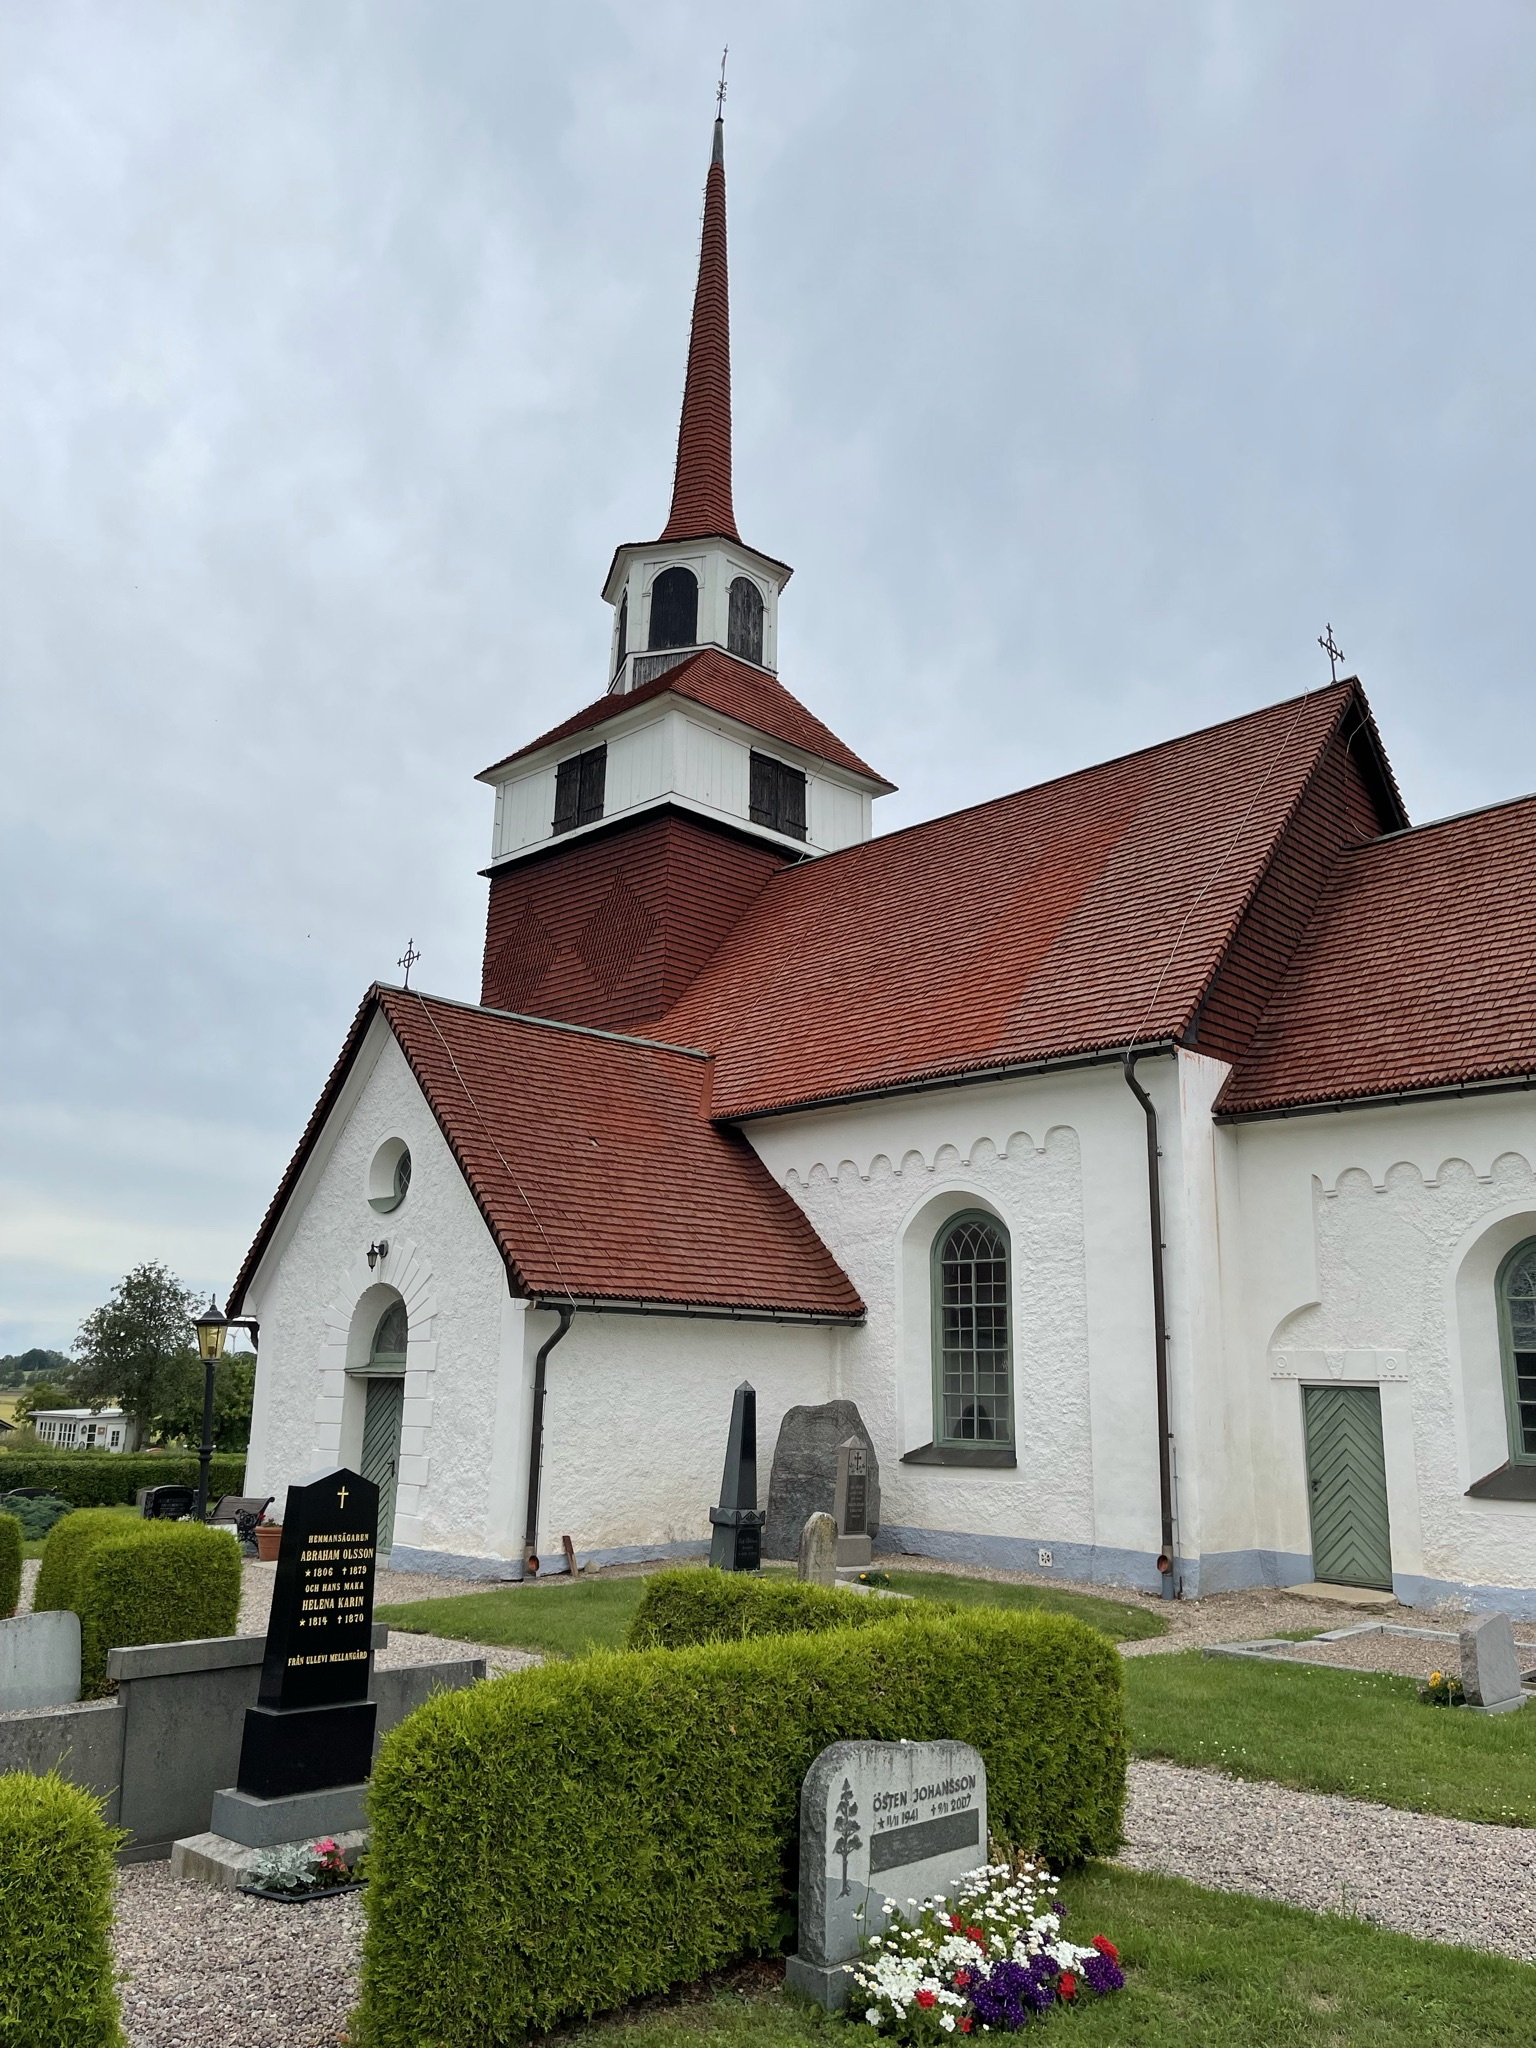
<point x="382" y="1415"/>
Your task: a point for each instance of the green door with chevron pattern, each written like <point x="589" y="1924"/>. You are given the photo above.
<point x="381" y="1451"/>
<point x="1347" y="1476"/>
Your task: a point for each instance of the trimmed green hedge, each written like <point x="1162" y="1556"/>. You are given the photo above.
<point x="57" y="1873"/>
<point x="682" y="1608"/>
<point x="106" y="1479"/>
<point x="69" y="1543"/>
<point x="10" y="1563"/>
<point x="568" y="1839"/>
<point x="138" y="1582"/>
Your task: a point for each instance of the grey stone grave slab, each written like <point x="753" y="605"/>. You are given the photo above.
<point x="803" y="1480"/>
<point x="39" y="1661"/>
<point x="818" y="1551"/>
<point x="1490" y="1669"/>
<point x="878" y="1821"/>
<point x="851" y="1505"/>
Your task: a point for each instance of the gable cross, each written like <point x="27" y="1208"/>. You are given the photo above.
<point x="1335" y="654"/>
<point x="408" y="959"/>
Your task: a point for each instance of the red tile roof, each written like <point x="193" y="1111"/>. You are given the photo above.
<point x="701" y="486"/>
<point x="720" y="683"/>
<point x="1415" y="973"/>
<point x="1076" y="916"/>
<point x="595" y="1165"/>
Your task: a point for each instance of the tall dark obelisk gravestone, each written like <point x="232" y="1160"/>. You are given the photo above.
<point x="308" y="1742"/>
<point x="737" y="1544"/>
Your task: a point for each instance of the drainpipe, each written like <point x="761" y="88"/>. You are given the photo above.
<point x="1159" y="1322"/>
<point x="536" y="1442"/>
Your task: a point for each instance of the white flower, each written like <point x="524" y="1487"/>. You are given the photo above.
<point x="947" y="2022"/>
<point x="873" y="2015"/>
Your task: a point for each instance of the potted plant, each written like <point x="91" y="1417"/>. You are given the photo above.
<point x="269" y="1536"/>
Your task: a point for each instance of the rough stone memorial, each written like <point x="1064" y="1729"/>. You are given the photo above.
<point x="308" y="1741"/>
<point x="852" y="1505"/>
<point x="878" y="1821"/>
<point x="737" y="1542"/>
<point x="1490" y="1666"/>
<point x="803" y="1480"/>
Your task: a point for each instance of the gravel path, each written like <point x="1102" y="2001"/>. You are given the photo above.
<point x="265" y="1976"/>
<point x="1454" y="1881"/>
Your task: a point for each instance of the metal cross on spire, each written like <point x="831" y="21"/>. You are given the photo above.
<point x="408" y="959"/>
<point x="1334" y="653"/>
<point x="720" y="88"/>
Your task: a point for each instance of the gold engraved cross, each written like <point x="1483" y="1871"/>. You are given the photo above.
<point x="342" y="1497"/>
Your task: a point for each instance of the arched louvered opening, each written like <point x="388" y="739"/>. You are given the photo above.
<point x="744" y="632"/>
<point x="1517" y="1319"/>
<point x="618" y="660"/>
<point x="675" y="609"/>
<point x="973" y="1367"/>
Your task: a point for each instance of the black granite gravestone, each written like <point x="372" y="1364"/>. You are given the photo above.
<point x="737" y="1544"/>
<point x="312" y="1726"/>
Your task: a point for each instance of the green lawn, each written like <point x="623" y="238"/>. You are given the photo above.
<point x="1203" y="1970"/>
<point x="1359" y="1733"/>
<point x="566" y="1620"/>
<point x="1117" y="1618"/>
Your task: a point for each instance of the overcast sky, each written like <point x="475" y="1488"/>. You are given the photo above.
<point x="1087" y="360"/>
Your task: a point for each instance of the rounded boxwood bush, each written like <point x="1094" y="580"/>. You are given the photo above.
<point x="10" y="1563"/>
<point x="69" y="1543"/>
<point x="156" y="1582"/>
<point x="57" y="1871"/>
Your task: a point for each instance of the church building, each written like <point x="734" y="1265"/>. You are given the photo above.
<point x="1150" y="1155"/>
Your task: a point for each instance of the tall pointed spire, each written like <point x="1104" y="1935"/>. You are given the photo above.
<point x="701" y="487"/>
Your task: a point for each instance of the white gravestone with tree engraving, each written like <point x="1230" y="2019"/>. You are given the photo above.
<point x="878" y="1821"/>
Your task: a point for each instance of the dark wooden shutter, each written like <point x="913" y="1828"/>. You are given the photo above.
<point x="594" y="777"/>
<point x="776" y="796"/>
<point x="567" y="794"/>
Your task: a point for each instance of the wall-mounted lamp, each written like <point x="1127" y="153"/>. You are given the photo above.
<point x="377" y="1251"/>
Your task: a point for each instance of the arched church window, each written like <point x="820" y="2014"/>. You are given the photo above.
<point x="389" y="1338"/>
<point x="744" y="632"/>
<point x="1517" y="1318"/>
<point x="675" y="609"/>
<point x="623" y="633"/>
<point x="973" y="1367"/>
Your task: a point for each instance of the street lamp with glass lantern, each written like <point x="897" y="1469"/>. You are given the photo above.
<point x="212" y="1328"/>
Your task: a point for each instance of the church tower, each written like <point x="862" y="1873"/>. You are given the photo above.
<point x="630" y="838"/>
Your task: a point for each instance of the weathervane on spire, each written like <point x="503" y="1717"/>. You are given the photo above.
<point x="1334" y="653"/>
<point x="720" y="88"/>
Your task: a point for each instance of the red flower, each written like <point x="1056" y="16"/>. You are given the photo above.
<point x="965" y="2024"/>
<point x="925" y="1999"/>
<point x="962" y="1978"/>
<point x="975" y="1934"/>
<point x="954" y="1923"/>
<point x="1106" y="1947"/>
<point x="1067" y="1985"/>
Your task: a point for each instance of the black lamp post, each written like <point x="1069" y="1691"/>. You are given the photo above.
<point x="212" y="1328"/>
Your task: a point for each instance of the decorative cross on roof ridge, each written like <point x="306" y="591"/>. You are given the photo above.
<point x="1335" y="653"/>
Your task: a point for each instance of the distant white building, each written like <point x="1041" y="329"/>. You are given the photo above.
<point x="86" y="1429"/>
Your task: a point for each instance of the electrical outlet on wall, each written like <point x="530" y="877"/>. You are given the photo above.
<point x="1045" y="1557"/>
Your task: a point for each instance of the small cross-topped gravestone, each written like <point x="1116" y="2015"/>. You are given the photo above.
<point x="878" y="1821"/>
<point x="737" y="1544"/>
<point x="312" y="1726"/>
<point x="852" y="1505"/>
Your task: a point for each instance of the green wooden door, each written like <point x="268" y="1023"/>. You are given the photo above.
<point x="1347" y="1475"/>
<point x="381" y="1449"/>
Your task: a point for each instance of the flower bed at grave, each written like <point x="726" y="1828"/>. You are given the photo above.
<point x="989" y="1960"/>
<point x="297" y="1870"/>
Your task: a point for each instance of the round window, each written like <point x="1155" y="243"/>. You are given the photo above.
<point x="389" y="1176"/>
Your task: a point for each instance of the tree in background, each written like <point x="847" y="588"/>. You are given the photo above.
<point x="24" y="1368"/>
<point x="138" y="1351"/>
<point x="234" y="1386"/>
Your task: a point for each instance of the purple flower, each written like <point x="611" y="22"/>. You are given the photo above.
<point x="1101" y="1975"/>
<point x="1010" y="1992"/>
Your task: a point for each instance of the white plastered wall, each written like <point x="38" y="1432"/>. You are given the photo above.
<point x="637" y="1408"/>
<point x="1371" y="1244"/>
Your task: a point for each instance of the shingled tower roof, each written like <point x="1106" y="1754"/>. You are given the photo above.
<point x="701" y="487"/>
